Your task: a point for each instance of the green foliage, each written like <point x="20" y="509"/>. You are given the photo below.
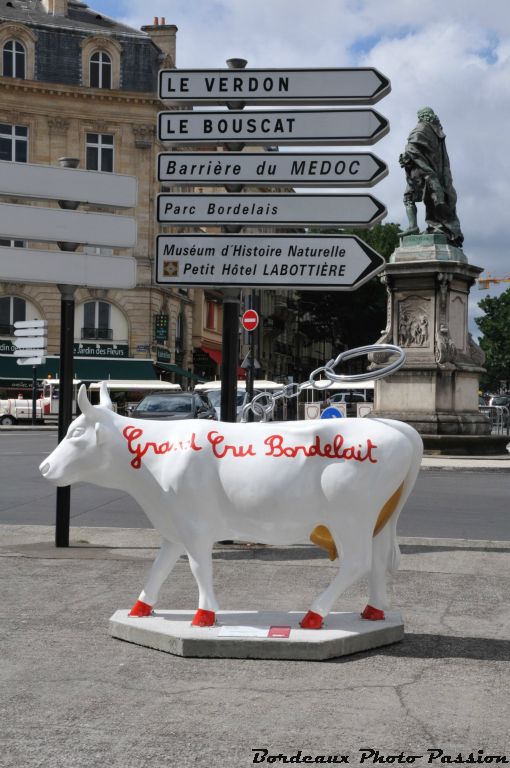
<point x="350" y="318"/>
<point x="495" y="341"/>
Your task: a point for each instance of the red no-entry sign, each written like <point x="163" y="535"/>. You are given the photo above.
<point x="250" y="320"/>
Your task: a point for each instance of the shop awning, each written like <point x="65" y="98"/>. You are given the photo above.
<point x="170" y="368"/>
<point x="96" y="369"/>
<point x="215" y="354"/>
<point x="85" y="369"/>
<point x="9" y="369"/>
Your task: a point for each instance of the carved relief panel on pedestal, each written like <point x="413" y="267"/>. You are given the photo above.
<point x="414" y="322"/>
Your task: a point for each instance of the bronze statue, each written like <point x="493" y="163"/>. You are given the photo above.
<point x="429" y="179"/>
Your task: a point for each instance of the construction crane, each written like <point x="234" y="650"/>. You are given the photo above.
<point x="485" y="282"/>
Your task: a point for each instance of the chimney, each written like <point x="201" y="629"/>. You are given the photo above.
<point x="163" y="36"/>
<point x="55" y="7"/>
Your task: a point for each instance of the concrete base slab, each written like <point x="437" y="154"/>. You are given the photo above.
<point x="171" y="631"/>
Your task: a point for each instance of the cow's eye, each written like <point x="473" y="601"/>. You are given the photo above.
<point x="77" y="432"/>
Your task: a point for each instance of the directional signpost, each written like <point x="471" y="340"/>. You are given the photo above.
<point x="306" y="126"/>
<point x="300" y="169"/>
<point x="30" y="349"/>
<point x="277" y="209"/>
<point x="270" y="86"/>
<point x="68" y="228"/>
<point x="341" y="262"/>
<point x="31" y="341"/>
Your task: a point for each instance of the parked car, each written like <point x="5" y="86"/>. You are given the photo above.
<point x="172" y="406"/>
<point x="350" y="399"/>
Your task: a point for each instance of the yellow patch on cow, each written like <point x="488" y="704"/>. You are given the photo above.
<point x="321" y="537"/>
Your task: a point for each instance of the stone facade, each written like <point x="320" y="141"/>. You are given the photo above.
<point x="62" y="114"/>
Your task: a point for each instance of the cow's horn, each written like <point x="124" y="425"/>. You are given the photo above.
<point x="104" y="397"/>
<point x="85" y="407"/>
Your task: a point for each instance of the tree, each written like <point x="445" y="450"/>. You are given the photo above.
<point x="350" y="319"/>
<point x="495" y="341"/>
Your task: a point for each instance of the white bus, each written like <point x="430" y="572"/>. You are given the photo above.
<point x="213" y="390"/>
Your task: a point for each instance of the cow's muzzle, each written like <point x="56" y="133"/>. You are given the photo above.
<point x="44" y="468"/>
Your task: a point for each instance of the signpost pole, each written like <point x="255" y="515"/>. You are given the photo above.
<point x="34" y="394"/>
<point x="65" y="394"/>
<point x="231" y="309"/>
<point x="65" y="404"/>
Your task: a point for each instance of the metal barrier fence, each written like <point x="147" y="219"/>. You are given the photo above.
<point x="500" y="418"/>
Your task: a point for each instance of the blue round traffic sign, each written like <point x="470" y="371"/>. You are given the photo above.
<point x="332" y="413"/>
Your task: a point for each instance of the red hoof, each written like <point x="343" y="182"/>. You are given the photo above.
<point x="311" y="621"/>
<point x="372" y="614"/>
<point x="139" y="610"/>
<point x="203" y="618"/>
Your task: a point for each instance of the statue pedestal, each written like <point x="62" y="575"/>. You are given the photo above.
<point x="428" y="283"/>
<point x="243" y="634"/>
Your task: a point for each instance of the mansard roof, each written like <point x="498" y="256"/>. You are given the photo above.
<point x="79" y="17"/>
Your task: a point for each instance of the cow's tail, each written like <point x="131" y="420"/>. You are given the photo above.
<point x="388" y="518"/>
<point x="385" y="549"/>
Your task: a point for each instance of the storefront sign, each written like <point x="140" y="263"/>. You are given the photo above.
<point x="163" y="355"/>
<point x="101" y="350"/>
<point x="6" y="348"/>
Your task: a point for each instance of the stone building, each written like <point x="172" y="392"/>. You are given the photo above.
<point x="75" y="83"/>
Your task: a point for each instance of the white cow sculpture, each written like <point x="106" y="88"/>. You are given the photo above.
<point x="342" y="482"/>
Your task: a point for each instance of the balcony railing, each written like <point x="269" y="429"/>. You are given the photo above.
<point x="97" y="333"/>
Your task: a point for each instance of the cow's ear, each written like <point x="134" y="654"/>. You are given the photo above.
<point x="100" y="433"/>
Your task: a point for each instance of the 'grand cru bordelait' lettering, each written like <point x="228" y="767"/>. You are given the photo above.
<point x="274" y="446"/>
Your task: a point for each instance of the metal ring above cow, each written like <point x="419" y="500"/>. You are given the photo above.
<point x="377" y="373"/>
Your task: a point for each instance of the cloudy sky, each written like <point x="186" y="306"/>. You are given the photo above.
<point x="453" y="56"/>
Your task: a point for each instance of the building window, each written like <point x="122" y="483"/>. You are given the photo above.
<point x="14" y="143"/>
<point x="96" y="320"/>
<point x="14" y="59"/>
<point x="100" y="70"/>
<point x="99" y="152"/>
<point x="5" y="243"/>
<point x="12" y="309"/>
<point x="210" y="315"/>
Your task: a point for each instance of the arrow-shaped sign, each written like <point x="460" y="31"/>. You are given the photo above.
<point x="340" y="262"/>
<point x="68" y="268"/>
<point x="30" y="323"/>
<point x="31" y="342"/>
<point x="30" y="331"/>
<point x="48" y="182"/>
<point x="30" y="222"/>
<point x="276" y="209"/>
<point x="325" y="126"/>
<point x="288" y="169"/>
<point x="274" y="86"/>
<point x="31" y="360"/>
